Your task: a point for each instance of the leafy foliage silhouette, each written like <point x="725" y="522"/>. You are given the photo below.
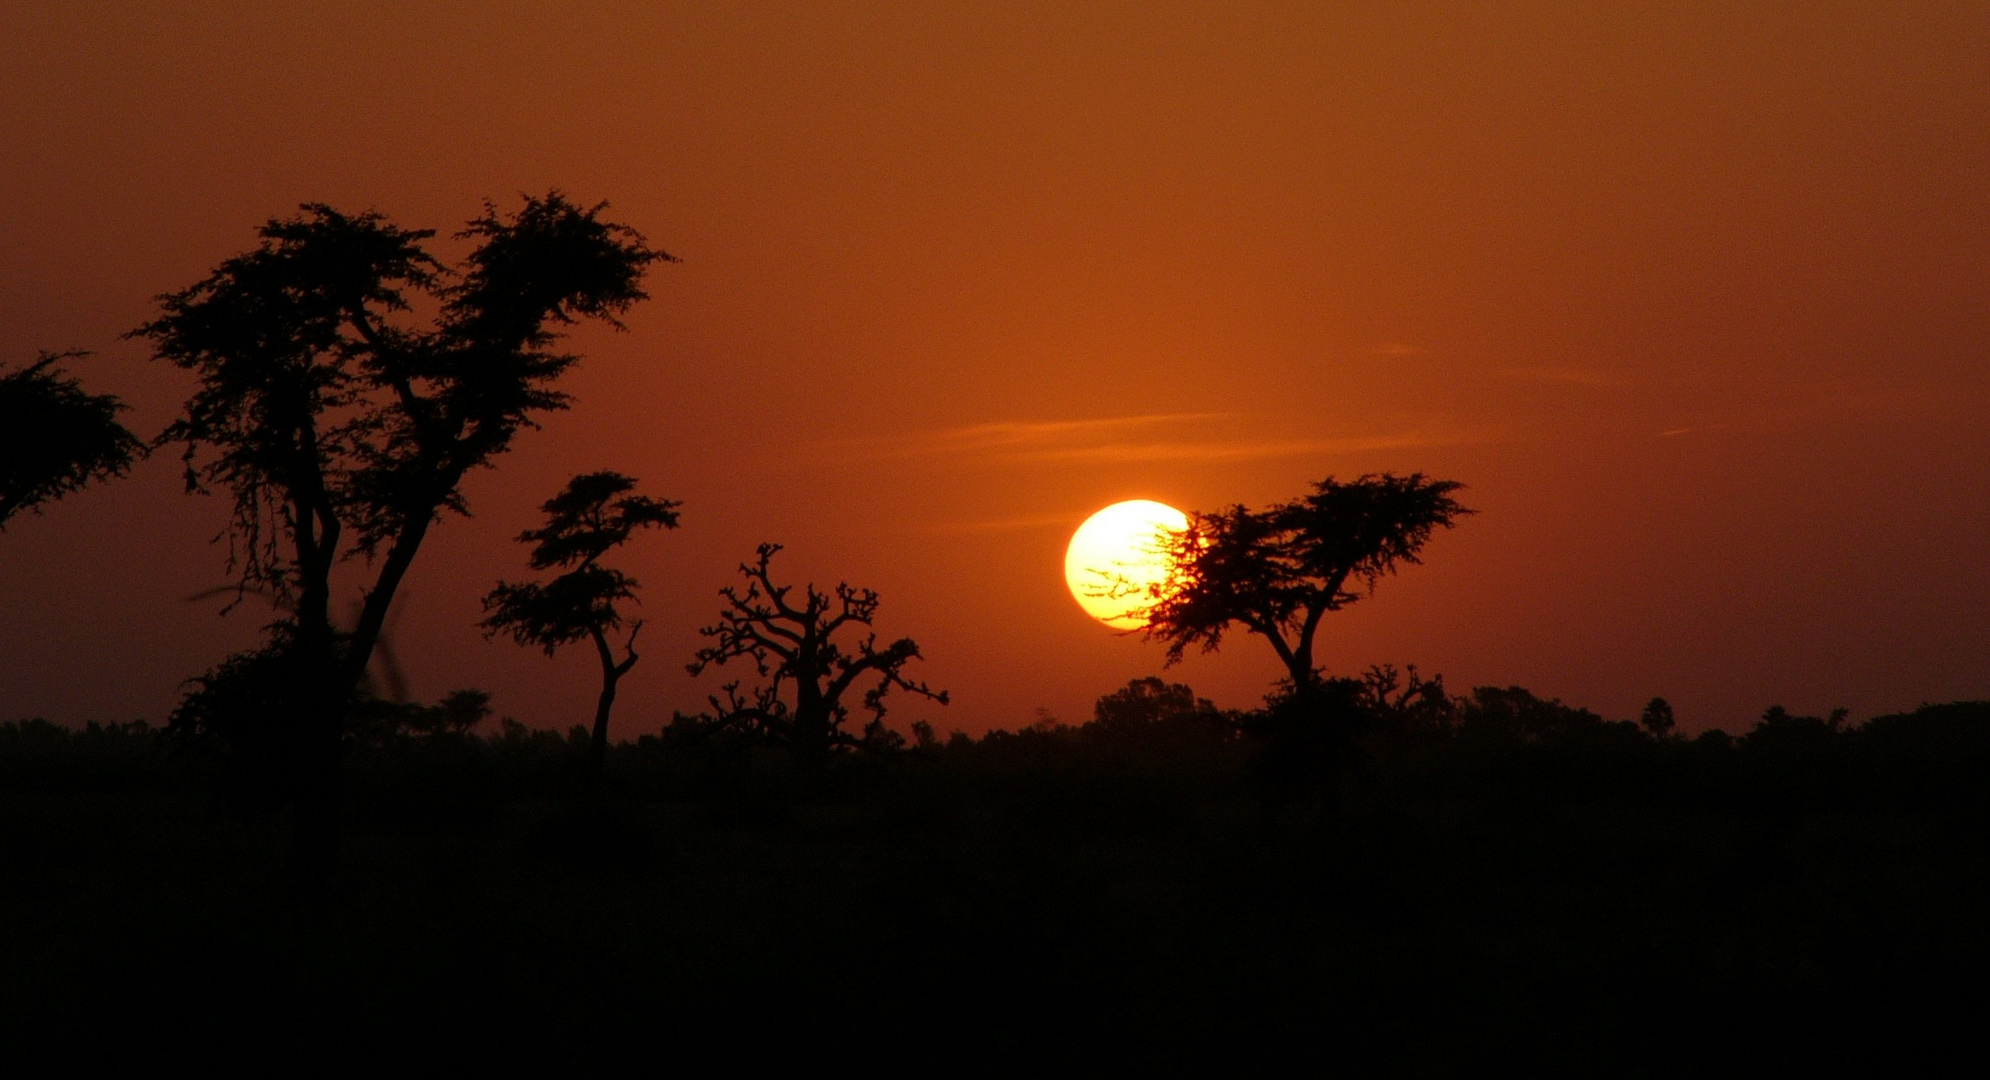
<point x="594" y="514"/>
<point x="342" y="427"/>
<point x="1146" y="707"/>
<point x="56" y="438"/>
<point x="1276" y="572"/>
<point x="809" y="671"/>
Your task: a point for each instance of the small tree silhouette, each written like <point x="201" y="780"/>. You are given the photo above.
<point x="808" y="670"/>
<point x="1657" y="719"/>
<point x="54" y="437"/>
<point x="594" y="514"/>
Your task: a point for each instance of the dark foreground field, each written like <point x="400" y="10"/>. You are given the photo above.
<point x="1590" y="900"/>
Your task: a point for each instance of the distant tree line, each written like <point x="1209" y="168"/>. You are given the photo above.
<point x="1493" y="742"/>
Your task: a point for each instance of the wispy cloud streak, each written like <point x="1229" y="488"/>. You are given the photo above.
<point x="1119" y="439"/>
<point x="1567" y="376"/>
<point x="1222" y="450"/>
<point x="1012" y="434"/>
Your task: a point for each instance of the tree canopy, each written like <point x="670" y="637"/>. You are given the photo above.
<point x="55" y="437"/>
<point x="1278" y="571"/>
<point x="331" y="417"/>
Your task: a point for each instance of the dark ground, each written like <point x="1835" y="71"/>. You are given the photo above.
<point x="1588" y="901"/>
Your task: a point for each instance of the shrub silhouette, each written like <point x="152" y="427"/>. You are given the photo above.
<point x="1147" y="706"/>
<point x="1508" y="716"/>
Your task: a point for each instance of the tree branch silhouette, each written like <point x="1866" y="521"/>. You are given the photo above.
<point x="794" y="646"/>
<point x="56" y="438"/>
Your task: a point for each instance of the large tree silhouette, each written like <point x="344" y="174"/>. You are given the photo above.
<point x="1278" y="571"/>
<point x="594" y="514"/>
<point x="55" y="437"/>
<point x="343" y="425"/>
<point x="809" y="661"/>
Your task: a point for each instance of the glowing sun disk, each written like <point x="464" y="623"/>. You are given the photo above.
<point x="1116" y="555"/>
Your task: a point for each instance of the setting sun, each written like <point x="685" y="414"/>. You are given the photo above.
<point x="1116" y="555"/>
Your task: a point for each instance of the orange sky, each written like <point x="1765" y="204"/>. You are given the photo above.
<point x="1694" y="300"/>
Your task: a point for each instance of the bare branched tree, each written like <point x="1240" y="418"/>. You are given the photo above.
<point x="794" y="645"/>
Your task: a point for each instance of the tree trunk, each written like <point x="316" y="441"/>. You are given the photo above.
<point x="320" y="705"/>
<point x="373" y="614"/>
<point x="1308" y="743"/>
<point x="597" y="747"/>
<point x="611" y="674"/>
<point x="320" y="749"/>
<point x="332" y="677"/>
<point x="810" y="738"/>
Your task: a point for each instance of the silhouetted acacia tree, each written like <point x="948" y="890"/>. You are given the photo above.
<point x="795" y="647"/>
<point x="594" y="514"/>
<point x="55" y="437"/>
<point x="1276" y="572"/>
<point x="343" y="426"/>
